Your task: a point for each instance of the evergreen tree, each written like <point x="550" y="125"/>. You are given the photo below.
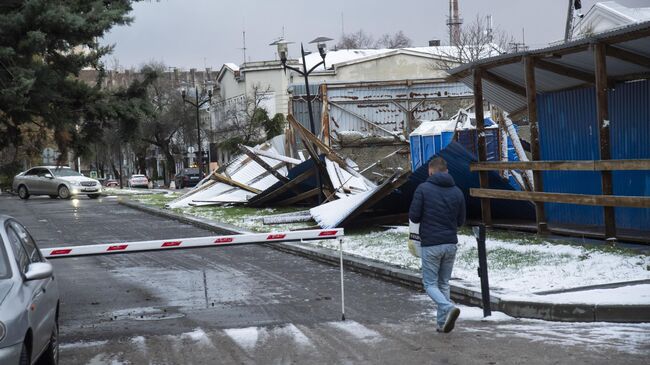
<point x="44" y="44"/>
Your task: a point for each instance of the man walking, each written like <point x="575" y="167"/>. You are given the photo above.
<point x="439" y="206"/>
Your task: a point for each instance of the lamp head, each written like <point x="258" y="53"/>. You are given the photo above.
<point x="283" y="49"/>
<point x="183" y="93"/>
<point x="321" y="43"/>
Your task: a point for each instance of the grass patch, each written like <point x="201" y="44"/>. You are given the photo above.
<point x="156" y="200"/>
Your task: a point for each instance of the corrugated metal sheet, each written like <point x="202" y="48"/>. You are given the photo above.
<point x="300" y="109"/>
<point x="380" y="109"/>
<point x="569" y="131"/>
<point x="630" y="135"/>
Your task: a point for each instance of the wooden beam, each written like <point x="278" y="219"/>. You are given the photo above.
<point x="298" y="198"/>
<point x="531" y="98"/>
<point x="602" y="165"/>
<point x="602" y="112"/>
<point x="627" y="56"/>
<point x="325" y="149"/>
<point x="504" y="83"/>
<point x="609" y="201"/>
<point x="486" y="210"/>
<point x="265" y="197"/>
<point x="231" y="182"/>
<point x="325" y="115"/>
<point x="261" y="162"/>
<point x="566" y="71"/>
<point x="312" y="143"/>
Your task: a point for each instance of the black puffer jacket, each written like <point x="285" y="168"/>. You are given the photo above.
<point x="439" y="206"/>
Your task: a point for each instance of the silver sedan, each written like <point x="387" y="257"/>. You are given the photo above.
<point x="61" y="182"/>
<point x="29" y="299"/>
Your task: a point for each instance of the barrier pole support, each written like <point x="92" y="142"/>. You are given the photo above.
<point x="342" y="285"/>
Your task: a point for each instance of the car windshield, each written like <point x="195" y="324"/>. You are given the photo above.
<point x="65" y="172"/>
<point x="5" y="271"/>
<point x="191" y="171"/>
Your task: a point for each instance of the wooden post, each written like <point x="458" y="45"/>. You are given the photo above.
<point x="538" y="185"/>
<point x="600" y="60"/>
<point x="486" y="211"/>
<point x="325" y="115"/>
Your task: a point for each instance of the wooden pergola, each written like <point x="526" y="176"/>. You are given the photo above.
<point x="511" y="82"/>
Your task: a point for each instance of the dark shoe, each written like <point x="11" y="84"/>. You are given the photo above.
<point x="452" y="316"/>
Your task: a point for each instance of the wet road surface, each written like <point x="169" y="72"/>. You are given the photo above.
<point x="253" y="304"/>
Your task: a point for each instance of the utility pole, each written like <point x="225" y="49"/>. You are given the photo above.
<point x="568" y="31"/>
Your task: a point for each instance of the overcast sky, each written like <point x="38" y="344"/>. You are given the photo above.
<point x="200" y="33"/>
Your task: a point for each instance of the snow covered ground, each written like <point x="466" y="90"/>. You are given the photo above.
<point x="518" y="265"/>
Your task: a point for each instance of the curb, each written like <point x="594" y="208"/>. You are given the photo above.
<point x="560" y="312"/>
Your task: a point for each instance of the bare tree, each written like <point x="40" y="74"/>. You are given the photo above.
<point x="356" y="40"/>
<point x="394" y="41"/>
<point x="168" y="117"/>
<point x="244" y="120"/>
<point x="476" y="40"/>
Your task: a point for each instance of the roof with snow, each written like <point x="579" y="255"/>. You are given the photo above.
<point x="608" y="15"/>
<point x="345" y="57"/>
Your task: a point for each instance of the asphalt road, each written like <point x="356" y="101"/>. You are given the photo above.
<point x="253" y="304"/>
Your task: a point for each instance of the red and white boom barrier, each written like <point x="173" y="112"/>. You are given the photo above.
<point x="195" y="242"/>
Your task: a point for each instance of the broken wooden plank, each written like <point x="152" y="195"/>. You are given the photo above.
<point x="263" y="198"/>
<point x="246" y="150"/>
<point x="229" y="181"/>
<point x="305" y="134"/>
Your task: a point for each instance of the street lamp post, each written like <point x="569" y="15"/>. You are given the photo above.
<point x="198" y="103"/>
<point x="283" y="52"/>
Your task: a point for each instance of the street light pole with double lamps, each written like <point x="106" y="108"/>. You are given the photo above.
<point x="198" y="103"/>
<point x="283" y="53"/>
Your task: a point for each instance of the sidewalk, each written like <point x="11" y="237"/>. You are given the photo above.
<point x="572" y="304"/>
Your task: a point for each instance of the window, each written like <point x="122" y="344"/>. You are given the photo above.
<point x="5" y="269"/>
<point x="63" y="172"/>
<point x="22" y="259"/>
<point x="32" y="172"/>
<point x="28" y="242"/>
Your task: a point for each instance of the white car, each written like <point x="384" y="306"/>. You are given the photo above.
<point x="55" y="181"/>
<point x="138" y="181"/>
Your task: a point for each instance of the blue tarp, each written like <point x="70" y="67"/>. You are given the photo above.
<point x="458" y="160"/>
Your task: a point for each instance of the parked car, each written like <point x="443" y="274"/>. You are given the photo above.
<point x="29" y="299"/>
<point x="138" y="181"/>
<point x="55" y="181"/>
<point x="188" y="177"/>
<point x="111" y="183"/>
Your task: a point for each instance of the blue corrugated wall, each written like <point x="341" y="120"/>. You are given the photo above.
<point x="569" y="131"/>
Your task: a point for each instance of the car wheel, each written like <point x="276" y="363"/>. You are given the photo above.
<point x="53" y="196"/>
<point x="51" y="355"/>
<point x="93" y="196"/>
<point x="64" y="192"/>
<point x="24" y="356"/>
<point x="23" y="193"/>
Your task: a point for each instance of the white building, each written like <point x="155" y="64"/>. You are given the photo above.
<point x="609" y="15"/>
<point x="270" y="82"/>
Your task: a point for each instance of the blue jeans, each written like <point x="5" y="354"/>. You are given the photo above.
<point x="437" y="264"/>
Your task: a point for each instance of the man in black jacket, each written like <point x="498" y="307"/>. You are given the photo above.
<point x="439" y="206"/>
